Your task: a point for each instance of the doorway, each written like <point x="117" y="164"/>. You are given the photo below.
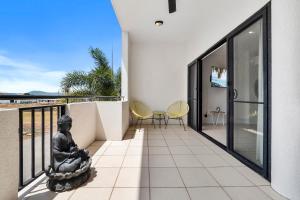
<point x="214" y="94"/>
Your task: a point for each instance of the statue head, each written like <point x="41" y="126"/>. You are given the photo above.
<point x="64" y="123"/>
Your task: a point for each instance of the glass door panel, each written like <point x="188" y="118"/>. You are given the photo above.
<point x="248" y="89"/>
<point x="193" y="96"/>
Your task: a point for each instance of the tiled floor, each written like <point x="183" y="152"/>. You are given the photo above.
<point x="164" y="164"/>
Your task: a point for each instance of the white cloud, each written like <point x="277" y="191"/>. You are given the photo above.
<point x="22" y="76"/>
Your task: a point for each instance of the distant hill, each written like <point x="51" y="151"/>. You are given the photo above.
<point x="42" y="93"/>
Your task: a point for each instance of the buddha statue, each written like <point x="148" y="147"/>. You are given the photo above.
<point x="70" y="165"/>
<point x="66" y="155"/>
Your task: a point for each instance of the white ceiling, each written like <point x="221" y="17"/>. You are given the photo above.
<point x="192" y="16"/>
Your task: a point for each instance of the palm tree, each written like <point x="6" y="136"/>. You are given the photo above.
<point x="100" y="81"/>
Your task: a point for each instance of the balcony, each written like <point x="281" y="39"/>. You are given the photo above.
<point x="140" y="163"/>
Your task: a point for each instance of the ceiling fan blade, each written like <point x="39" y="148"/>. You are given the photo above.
<point x="172" y="6"/>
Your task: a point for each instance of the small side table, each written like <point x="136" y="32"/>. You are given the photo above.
<point x="159" y="115"/>
<point x="216" y="115"/>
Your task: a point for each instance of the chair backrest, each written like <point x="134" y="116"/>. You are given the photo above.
<point x="178" y="108"/>
<point x="139" y="109"/>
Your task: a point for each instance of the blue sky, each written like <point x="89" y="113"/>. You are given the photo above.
<point x="41" y="40"/>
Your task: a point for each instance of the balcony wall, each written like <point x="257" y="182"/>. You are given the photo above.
<point x="112" y="120"/>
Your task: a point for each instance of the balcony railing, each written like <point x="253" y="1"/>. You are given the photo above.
<point x="36" y="126"/>
<point x="64" y="99"/>
<point x="38" y="117"/>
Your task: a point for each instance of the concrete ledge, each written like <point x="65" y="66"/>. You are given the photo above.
<point x="9" y="157"/>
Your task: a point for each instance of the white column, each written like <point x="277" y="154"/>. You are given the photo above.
<point x="286" y="97"/>
<point x="124" y="65"/>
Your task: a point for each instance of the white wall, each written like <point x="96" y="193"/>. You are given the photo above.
<point x="112" y="120"/>
<point x="9" y="157"/>
<point x="213" y="97"/>
<point x="286" y="97"/>
<point x="84" y="123"/>
<point x="158" y="74"/>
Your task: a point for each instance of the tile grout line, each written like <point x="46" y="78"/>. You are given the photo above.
<point x="179" y="172"/>
<point x="69" y="198"/>
<point x="148" y="166"/>
<point x="113" y="188"/>
<point x="205" y="168"/>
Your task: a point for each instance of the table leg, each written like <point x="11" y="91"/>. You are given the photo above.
<point x="217" y="119"/>
<point x="160" y="120"/>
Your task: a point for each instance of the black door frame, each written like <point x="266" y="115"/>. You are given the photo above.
<point x="265" y="14"/>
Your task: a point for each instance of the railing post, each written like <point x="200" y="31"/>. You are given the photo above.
<point x="32" y="143"/>
<point x="43" y="139"/>
<point x="20" y="148"/>
<point x="51" y="135"/>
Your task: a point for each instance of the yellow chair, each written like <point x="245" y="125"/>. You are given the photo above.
<point x="141" y="112"/>
<point x="177" y="110"/>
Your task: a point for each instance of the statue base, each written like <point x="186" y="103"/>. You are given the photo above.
<point x="60" y="182"/>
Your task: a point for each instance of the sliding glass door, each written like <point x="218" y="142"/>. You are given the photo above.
<point x="248" y="93"/>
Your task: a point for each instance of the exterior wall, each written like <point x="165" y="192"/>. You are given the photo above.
<point x="84" y="123"/>
<point x="124" y="65"/>
<point x="158" y="74"/>
<point x="9" y="158"/>
<point x="286" y="97"/>
<point x="206" y="35"/>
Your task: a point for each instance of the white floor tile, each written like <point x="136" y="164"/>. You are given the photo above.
<point x="197" y="177"/>
<point x="211" y="160"/>
<point x="180" y="150"/>
<point x="193" y="142"/>
<point x="253" y="176"/>
<point x="137" y="150"/>
<point x="165" y="177"/>
<point x="135" y="161"/>
<point x="110" y="161"/>
<point x="115" y="150"/>
<point x="201" y="150"/>
<point x="186" y="161"/>
<point x="246" y="193"/>
<point x="228" y="176"/>
<point x="103" y="177"/>
<point x="169" y="194"/>
<point x="130" y="194"/>
<point x="208" y="193"/>
<point x="161" y="161"/>
<point x="133" y="177"/>
<point x="272" y="193"/>
<point x="159" y="151"/>
<point x="157" y="143"/>
<point x="174" y="142"/>
<point x="91" y="194"/>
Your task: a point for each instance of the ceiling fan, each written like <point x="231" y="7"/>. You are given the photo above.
<point x="172" y="6"/>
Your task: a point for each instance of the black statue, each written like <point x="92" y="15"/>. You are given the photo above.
<point x="70" y="165"/>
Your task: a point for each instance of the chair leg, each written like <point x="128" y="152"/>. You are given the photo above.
<point x="179" y="121"/>
<point x="141" y="123"/>
<point x="137" y="122"/>
<point x="167" y="122"/>
<point x="183" y="124"/>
